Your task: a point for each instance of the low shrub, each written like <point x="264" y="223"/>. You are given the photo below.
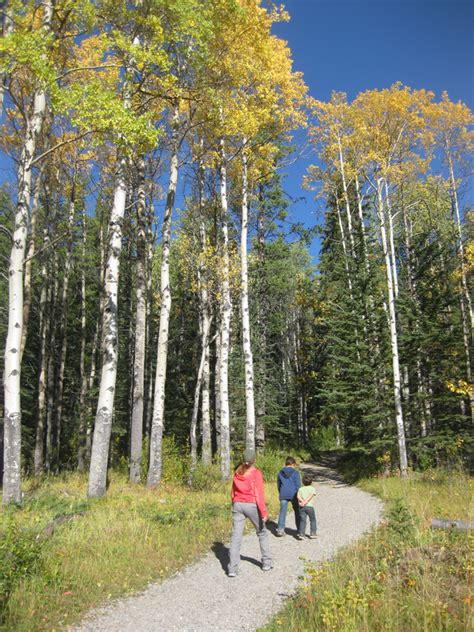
<point x="20" y="557"/>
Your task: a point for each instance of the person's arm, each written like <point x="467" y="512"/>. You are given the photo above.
<point x="300" y="500"/>
<point x="260" y="495"/>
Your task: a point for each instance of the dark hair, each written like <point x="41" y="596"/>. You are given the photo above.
<point x="243" y="467"/>
<point x="307" y="479"/>
<point x="290" y="460"/>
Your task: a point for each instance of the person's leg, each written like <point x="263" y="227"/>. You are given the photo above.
<point x="302" y="527"/>
<point x="282" y="516"/>
<point x="252" y="512"/>
<point x="238" y="524"/>
<point x="312" y="521"/>
<point x="296" y="509"/>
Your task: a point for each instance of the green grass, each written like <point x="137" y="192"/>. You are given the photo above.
<point x="402" y="577"/>
<point x="107" y="547"/>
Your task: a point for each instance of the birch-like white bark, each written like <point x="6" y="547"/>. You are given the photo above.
<point x="136" y="431"/>
<point x="205" y="322"/>
<point x="226" y="308"/>
<point x="454" y="193"/>
<point x="393" y="332"/>
<point x="81" y="452"/>
<point x="29" y="261"/>
<point x="346" y="198"/>
<point x="393" y="259"/>
<point x="105" y="405"/>
<point x="63" y="326"/>
<point x="44" y="332"/>
<point x="244" y="302"/>
<point x="157" y="423"/>
<point x="12" y="373"/>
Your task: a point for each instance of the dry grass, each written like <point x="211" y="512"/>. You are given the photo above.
<point x="404" y="576"/>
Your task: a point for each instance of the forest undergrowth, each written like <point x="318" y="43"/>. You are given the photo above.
<point x="62" y="554"/>
<point x="402" y="576"/>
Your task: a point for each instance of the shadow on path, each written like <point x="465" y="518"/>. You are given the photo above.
<point x="221" y="551"/>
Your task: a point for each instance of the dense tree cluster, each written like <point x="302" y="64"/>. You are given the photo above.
<point x="396" y="311"/>
<point x="148" y="139"/>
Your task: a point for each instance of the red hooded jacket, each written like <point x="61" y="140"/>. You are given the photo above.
<point x="248" y="488"/>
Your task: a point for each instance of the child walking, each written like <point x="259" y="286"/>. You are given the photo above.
<point x="288" y="482"/>
<point x="306" y="493"/>
<point x="248" y="501"/>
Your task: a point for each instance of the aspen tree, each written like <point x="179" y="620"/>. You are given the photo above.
<point x="12" y="421"/>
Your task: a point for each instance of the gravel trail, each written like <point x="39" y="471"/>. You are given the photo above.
<point x="201" y="598"/>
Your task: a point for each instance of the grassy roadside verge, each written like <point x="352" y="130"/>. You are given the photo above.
<point x="61" y="554"/>
<point x="404" y="575"/>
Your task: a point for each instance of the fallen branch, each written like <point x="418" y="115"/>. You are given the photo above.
<point x="440" y="523"/>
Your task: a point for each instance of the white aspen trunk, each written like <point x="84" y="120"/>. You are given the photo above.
<point x="393" y="259"/>
<point x="217" y="379"/>
<point x="226" y="308"/>
<point x="244" y="301"/>
<point x="103" y="420"/>
<point x="465" y="297"/>
<point x="197" y="393"/>
<point x="460" y="240"/>
<point x="63" y="327"/>
<point x="81" y="451"/>
<point x="29" y="261"/>
<point x="393" y="334"/>
<point x="348" y="274"/>
<point x="346" y="198"/>
<point x="156" y="434"/>
<point x="44" y="332"/>
<point x="150" y="341"/>
<point x="12" y="373"/>
<point x="262" y="330"/>
<point x="206" y="452"/>
<point x="136" y="431"/>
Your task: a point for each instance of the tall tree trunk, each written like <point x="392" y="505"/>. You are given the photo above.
<point x="81" y="450"/>
<point x="393" y="332"/>
<point x="44" y="322"/>
<point x="12" y="374"/>
<point x="156" y="434"/>
<point x="63" y="342"/>
<point x="464" y="297"/>
<point x="29" y="262"/>
<point x="197" y="392"/>
<point x="205" y="323"/>
<point x="226" y="308"/>
<point x="105" y="405"/>
<point x="136" y="432"/>
<point x="244" y="299"/>
<point x="261" y="329"/>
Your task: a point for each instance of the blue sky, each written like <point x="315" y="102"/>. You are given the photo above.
<point x="356" y="45"/>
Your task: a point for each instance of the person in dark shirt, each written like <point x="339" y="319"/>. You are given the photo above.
<point x="288" y="482"/>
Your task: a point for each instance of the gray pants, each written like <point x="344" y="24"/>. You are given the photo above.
<point x="240" y="511"/>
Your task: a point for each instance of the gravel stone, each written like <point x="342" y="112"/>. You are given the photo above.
<point x="201" y="598"/>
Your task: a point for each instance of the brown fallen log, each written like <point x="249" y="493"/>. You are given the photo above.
<point x="440" y="523"/>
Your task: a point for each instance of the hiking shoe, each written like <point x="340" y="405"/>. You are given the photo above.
<point x="232" y="573"/>
<point x="280" y="533"/>
<point x="300" y="536"/>
<point x="313" y="536"/>
<point x="267" y="566"/>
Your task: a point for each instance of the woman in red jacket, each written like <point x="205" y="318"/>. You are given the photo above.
<point x="248" y="501"/>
